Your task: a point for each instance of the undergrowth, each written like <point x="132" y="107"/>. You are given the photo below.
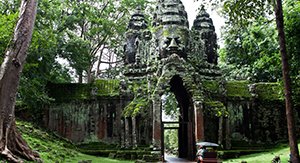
<point x="53" y="148"/>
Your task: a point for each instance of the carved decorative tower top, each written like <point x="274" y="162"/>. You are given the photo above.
<point x="170" y="12"/>
<point x="170" y="41"/>
<point x="136" y="32"/>
<point x="171" y="28"/>
<point x="137" y="21"/>
<point x="204" y="28"/>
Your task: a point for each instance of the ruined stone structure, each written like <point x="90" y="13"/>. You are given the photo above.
<point x="169" y="58"/>
<point x="175" y="59"/>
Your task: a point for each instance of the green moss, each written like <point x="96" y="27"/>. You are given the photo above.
<point x="53" y="148"/>
<point x="238" y="89"/>
<point x="96" y="146"/>
<point x="166" y="33"/>
<point x="215" y="108"/>
<point x="211" y="86"/>
<point x="50" y="147"/>
<point x="269" y="91"/>
<point x="261" y="91"/>
<point x="75" y="91"/>
<point x="107" y="87"/>
<point x="69" y="91"/>
<point x="156" y="28"/>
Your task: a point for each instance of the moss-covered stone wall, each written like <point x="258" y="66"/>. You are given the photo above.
<point x="88" y="112"/>
<point x="86" y="120"/>
<point x="248" y="90"/>
<point x="76" y="91"/>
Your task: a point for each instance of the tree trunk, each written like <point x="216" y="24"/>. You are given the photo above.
<point x="98" y="71"/>
<point x="90" y="77"/>
<point x="80" y="77"/>
<point x="287" y="83"/>
<point x="12" y="146"/>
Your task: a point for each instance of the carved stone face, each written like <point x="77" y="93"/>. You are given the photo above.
<point x="172" y="39"/>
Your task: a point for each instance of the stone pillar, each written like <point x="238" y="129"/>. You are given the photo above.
<point x="228" y="134"/>
<point x="127" y="133"/>
<point x="123" y="133"/>
<point x="199" y="121"/>
<point x="118" y="128"/>
<point x="220" y="132"/>
<point x="134" y="132"/>
<point x="156" y="134"/>
<point x="102" y="122"/>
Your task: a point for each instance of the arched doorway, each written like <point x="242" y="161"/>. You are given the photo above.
<point x="184" y="123"/>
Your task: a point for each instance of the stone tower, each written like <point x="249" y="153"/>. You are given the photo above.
<point x="169" y="58"/>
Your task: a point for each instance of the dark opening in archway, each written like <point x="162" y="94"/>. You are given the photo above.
<point x="185" y="131"/>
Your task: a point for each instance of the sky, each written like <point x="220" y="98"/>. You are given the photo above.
<point x="191" y="8"/>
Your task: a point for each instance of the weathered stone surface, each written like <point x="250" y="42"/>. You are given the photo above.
<point x="204" y="31"/>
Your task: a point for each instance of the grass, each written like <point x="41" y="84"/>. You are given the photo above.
<point x="53" y="148"/>
<point x="94" y="159"/>
<point x="281" y="150"/>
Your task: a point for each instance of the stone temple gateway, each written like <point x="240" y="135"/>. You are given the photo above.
<point x="162" y="57"/>
<point x="173" y="58"/>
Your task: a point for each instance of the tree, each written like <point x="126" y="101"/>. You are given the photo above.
<point x="287" y="83"/>
<point x="12" y="145"/>
<point x="251" y="52"/>
<point x="41" y="65"/>
<point x="94" y="33"/>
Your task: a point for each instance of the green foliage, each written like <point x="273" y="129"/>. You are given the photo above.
<point x="251" y="48"/>
<point x="171" y="141"/>
<point x="7" y="24"/>
<point x="77" y="52"/>
<point x="141" y="101"/>
<point x="251" y="52"/>
<point x="136" y="107"/>
<point x="94" y="32"/>
<point x="9" y="6"/>
<point x="41" y="65"/>
<point x="292" y="24"/>
<point x="170" y="105"/>
<point x="53" y="148"/>
<point x="244" y="12"/>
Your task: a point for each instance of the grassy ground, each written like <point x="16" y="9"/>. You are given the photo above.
<point x="266" y="157"/>
<point x="94" y="159"/>
<point x="55" y="149"/>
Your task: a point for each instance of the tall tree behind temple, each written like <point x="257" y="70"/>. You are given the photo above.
<point x="12" y="145"/>
<point x="93" y="33"/>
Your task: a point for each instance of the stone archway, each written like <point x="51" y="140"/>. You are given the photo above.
<point x="175" y="77"/>
<point x="186" y="139"/>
